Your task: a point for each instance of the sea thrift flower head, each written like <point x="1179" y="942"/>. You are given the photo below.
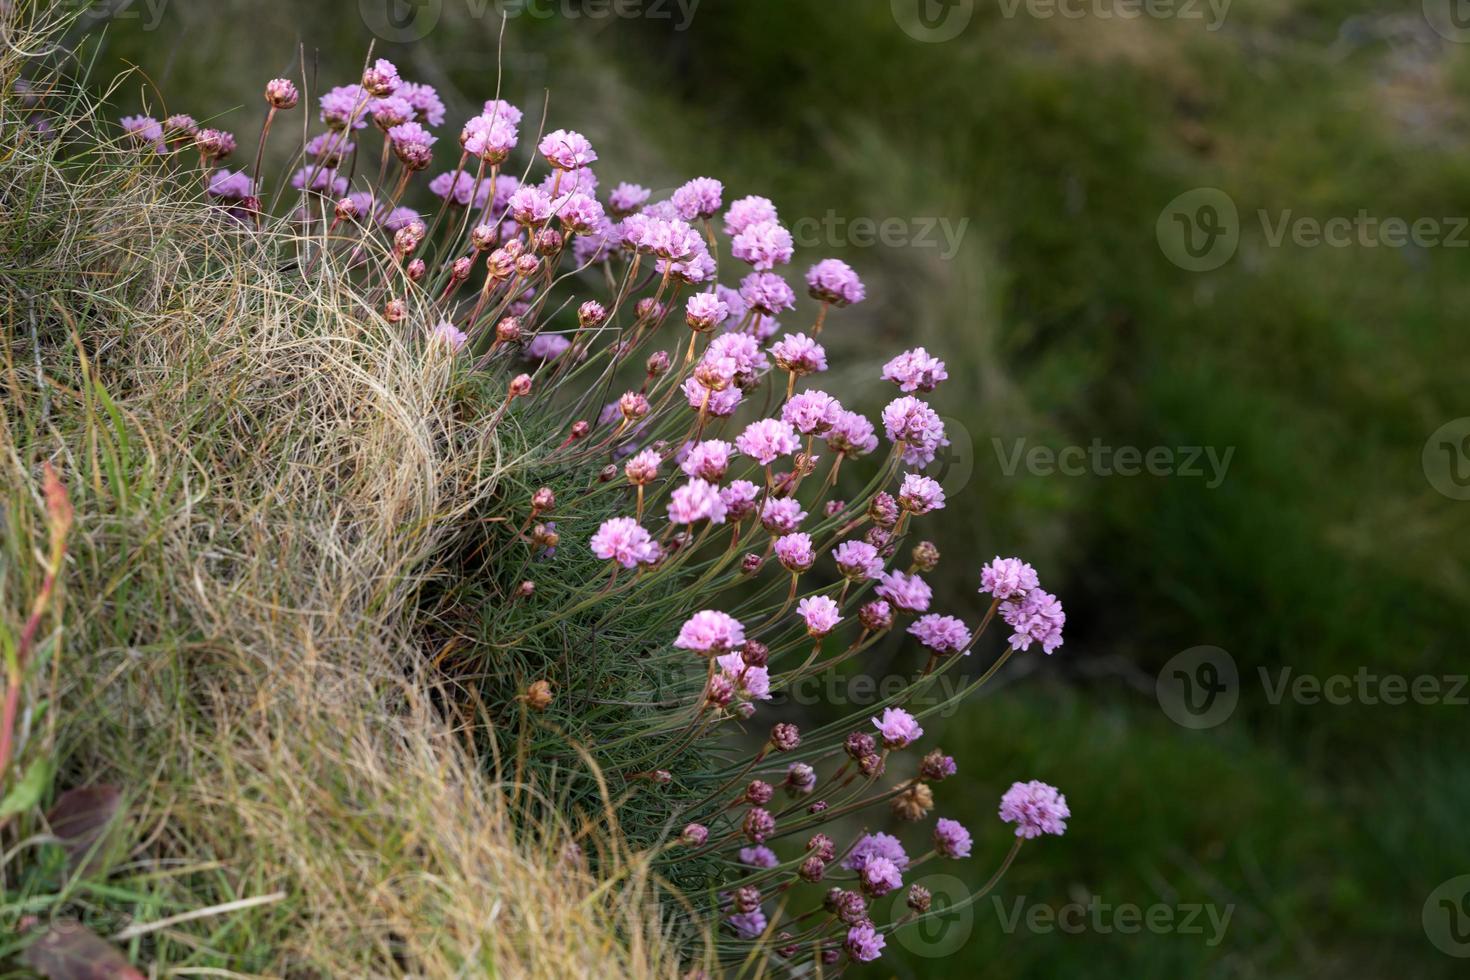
<point x="180" y="126"/>
<point x="883" y="510"/>
<point x="812" y="869"/>
<point x="876" y="616"/>
<point x="547" y="347"/>
<point x="1035" y="808"/>
<point x="281" y="93"/>
<point x="937" y="766"/>
<point x="381" y="78"/>
<point x="915" y="370"/>
<point x="705" y="311"/>
<point x="699" y="199"/>
<point x="417" y="269"/>
<point x="801" y="779"/>
<point x="880" y="876"/>
<point x="490" y="139"/>
<point x="782" y="515"/>
<point x="642" y="469"/>
<point x="626" y="199"/>
<point x="951" y="839"/>
<point x="745" y="351"/>
<point x="748" y="925"/>
<point x="579" y="212"/>
<point x="914" y="803"/>
<point x="908" y="592"/>
<point x="864" y="943"/>
<point x="697" y="500"/>
<point x="942" y="634"/>
<point x="508" y="330"/>
<point x="230" y="186"/>
<point x="919" y="899"/>
<point x="821" y="613"/>
<point x="458" y="188"/>
<point x="716" y="373"/>
<point x="833" y="281"/>
<point x="214" y="144"/>
<point x="784" y="736"/>
<point x="800" y="355"/>
<point x="811" y="412"/>
<point x="625" y="541"/>
<point x="919" y="494"/>
<point x="873" y="846"/>
<point x="633" y="405"/>
<point x="852" y="435"/>
<point x="767" y="440"/>
<point x="530" y="206"/>
<point x="145" y="131"/>
<point x="591" y="314"/>
<point x="710" y="632"/>
<point x="926" y="556"/>
<point x="1008" y="578"/>
<point x="759" y="792"/>
<point x="715" y="403"/>
<point x="343" y="103"/>
<point x="758" y="824"/>
<point x="752" y="682"/>
<point x="764" y="245"/>
<point x="414" y="155"/>
<point x="721" y="691"/>
<point x="427" y="106"/>
<point x="858" y="560"/>
<point x="708" y="460"/>
<point x="694" y="835"/>
<point x="795" y="551"/>
<point x="767" y="293"/>
<point x="758" y="857"/>
<point x="755" y="654"/>
<point x="395" y="310"/>
<point x="748" y="211"/>
<point x="739" y="498"/>
<point x="898" y="728"/>
<point x="1036" y="617"/>
<point x="390" y="112"/>
<point x="567" y="150"/>
<point x="859" y="744"/>
<point x="918" y="426"/>
<point x="461" y="268"/>
<point x="500" y="109"/>
<point x="448" y="334"/>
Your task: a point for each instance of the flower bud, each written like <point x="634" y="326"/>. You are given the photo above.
<point x="926" y="556"/>
<point x="405" y="241"/>
<point x="281" y="93"/>
<point x="658" y="363"/>
<point x="543" y="500"/>
<point x="747" y="898"/>
<point x="482" y="237"/>
<point x="835" y="507"/>
<point x="608" y="473"/>
<point x="527" y="265"/>
<point x="751" y="564"/>
<point x="520" y="386"/>
<point x="501" y="264"/>
<point x="649" y="309"/>
<point x="759" y="792"/>
<point x="508" y="330"/>
<point x="721" y="691"/>
<point x="548" y="241"/>
<point x="634" y="406"/>
<point x="461" y="269"/>
<point x="526" y="589"/>
<point x="756" y="654"/>
<point x="694" y="835"/>
<point x="883" y="510"/>
<point x="745" y="709"/>
<point x="347" y="209"/>
<point x="821" y="846"/>
<point x="813" y="869"/>
<point x="801" y="779"/>
<point x="859" y="744"/>
<point x="661" y="777"/>
<point x="818" y="807"/>
<point x="871" y="765"/>
<point x="395" y="310"/>
<point x="758" y="824"/>
<point x="937" y="766"/>
<point x="416" y="270"/>
<point x="785" y="737"/>
<point x="591" y="314"/>
<point x="919" y="899"/>
<point x="413" y="156"/>
<point x="538" y="696"/>
<point x="580" y="428"/>
<point x="876" y="616"/>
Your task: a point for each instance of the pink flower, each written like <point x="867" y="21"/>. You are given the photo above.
<point x="766" y="440"/>
<point x="391" y="111"/>
<point x="919" y="494"/>
<point x="874" y="846"/>
<point x="748" y="211"/>
<point x="748" y="925"/>
<point x="699" y="199"/>
<point x="547" y="347"/>
<point x="566" y="150"/>
<point x="767" y="293"/>
<point x="764" y="245"/>
<point x="744" y="350"/>
<point x="342" y="103"/>
<point x="381" y="78"/>
<point x="858" y="560"/>
<point x="623" y="540"/>
<point x="795" y="551"/>
<point x="427" y="106"/>
<point x="491" y="138"/>
<point x="705" y="311"/>
<point x="446" y="333"/>
<point x="1007" y="578"/>
<point x="627" y="198"/>
<point x="864" y="943"/>
<point x="951" y="839"/>
<point x="758" y="857"/>
<point x="710" y="631"/>
<point x="411" y="133"/>
<point x="821" y="613"/>
<point x="942" y="634"/>
<point x="852" y="435"/>
<point x="696" y="500"/>
<point x="915" y="370"/>
<point x="530" y="206"/>
<point x="445" y="185"/>
<point x="799" y="354"/>
<point x="897" y="727"/>
<point x="500" y="109"/>
<point x="1035" y="808"/>
<point x="833" y="281"/>
<point x="782" y="515"/>
<point x="739" y="498"/>
<point x="880" y="876"/>
<point x="579" y="212"/>
<point x="1036" y="617"/>
<point x="642" y="469"/>
<point x="812" y="412"/>
<point x="230" y="186"/>
<point x="708" y="460"/>
<point x="719" y="404"/>
<point x="754" y="683"/>
<point x="145" y="130"/>
<point x="908" y="592"/>
<point x="918" y="426"/>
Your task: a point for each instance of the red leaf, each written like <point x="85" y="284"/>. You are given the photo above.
<point x="81" y="815"/>
<point x="70" y="951"/>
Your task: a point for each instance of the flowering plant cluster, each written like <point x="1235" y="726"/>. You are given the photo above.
<point x="692" y="423"/>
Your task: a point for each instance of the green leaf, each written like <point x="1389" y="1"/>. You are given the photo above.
<point x="28" y="791"/>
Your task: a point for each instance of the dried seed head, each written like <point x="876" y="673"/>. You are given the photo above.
<point x="914" y="803"/>
<point x="538" y="696"/>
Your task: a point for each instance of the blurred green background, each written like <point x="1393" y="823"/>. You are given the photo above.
<point x="1021" y="169"/>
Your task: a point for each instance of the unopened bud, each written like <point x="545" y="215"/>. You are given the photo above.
<point x="508" y="330"/>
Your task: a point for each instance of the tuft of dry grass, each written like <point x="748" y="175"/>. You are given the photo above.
<point x="263" y="475"/>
